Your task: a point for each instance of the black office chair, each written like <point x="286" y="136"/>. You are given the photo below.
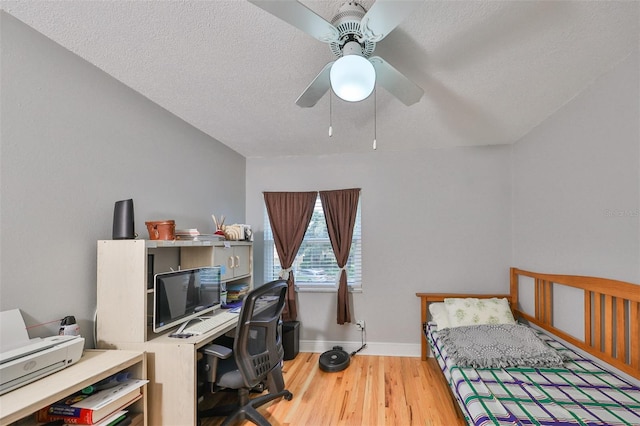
<point x="257" y="356"/>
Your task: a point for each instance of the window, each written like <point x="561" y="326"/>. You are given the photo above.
<point x="315" y="266"/>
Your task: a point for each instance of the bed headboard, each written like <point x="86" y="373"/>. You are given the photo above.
<point x="611" y="314"/>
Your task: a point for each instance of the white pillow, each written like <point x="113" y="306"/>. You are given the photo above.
<point x="439" y="315"/>
<point x="472" y="311"/>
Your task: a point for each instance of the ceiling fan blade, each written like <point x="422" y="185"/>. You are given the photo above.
<point x="301" y="17"/>
<point x="395" y="82"/>
<point x="384" y="16"/>
<point x="316" y="89"/>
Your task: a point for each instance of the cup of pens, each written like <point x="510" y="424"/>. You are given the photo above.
<point x="219" y="223"/>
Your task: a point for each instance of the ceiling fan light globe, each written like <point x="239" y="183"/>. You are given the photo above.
<point x="353" y="78"/>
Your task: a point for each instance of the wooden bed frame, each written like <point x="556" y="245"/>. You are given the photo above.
<point x="611" y="315"/>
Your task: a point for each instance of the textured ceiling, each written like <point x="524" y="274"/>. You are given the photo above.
<point x="491" y="70"/>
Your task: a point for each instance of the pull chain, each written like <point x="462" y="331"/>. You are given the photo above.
<point x="330" y="114"/>
<point x="375" y="120"/>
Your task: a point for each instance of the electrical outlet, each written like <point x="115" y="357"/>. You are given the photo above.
<point x="360" y="324"/>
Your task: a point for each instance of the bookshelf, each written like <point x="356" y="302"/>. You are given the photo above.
<point x="95" y="365"/>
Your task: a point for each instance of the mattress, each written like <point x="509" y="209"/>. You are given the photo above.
<point x="581" y="393"/>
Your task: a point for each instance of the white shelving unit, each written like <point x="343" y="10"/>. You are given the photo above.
<point x="95" y="365"/>
<point x="125" y="303"/>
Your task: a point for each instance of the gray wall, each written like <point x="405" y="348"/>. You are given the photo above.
<point x="576" y="183"/>
<point x="74" y="141"/>
<point x="576" y="186"/>
<point x="436" y="220"/>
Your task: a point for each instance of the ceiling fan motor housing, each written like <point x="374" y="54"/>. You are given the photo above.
<point x="352" y="35"/>
<point x="347" y="22"/>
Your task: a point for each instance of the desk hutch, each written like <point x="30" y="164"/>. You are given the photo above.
<point x="125" y="305"/>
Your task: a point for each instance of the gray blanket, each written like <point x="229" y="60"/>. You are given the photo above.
<point x="497" y="346"/>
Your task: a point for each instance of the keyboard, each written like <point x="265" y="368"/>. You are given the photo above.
<point x="215" y="321"/>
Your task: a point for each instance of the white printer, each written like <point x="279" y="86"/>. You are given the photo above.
<point x="24" y="360"/>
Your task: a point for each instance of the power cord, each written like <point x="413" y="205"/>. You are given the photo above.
<point x="363" y="334"/>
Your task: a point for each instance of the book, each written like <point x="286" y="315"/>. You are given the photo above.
<point x="113" y="419"/>
<point x="236" y="292"/>
<point x="119" y="418"/>
<point x="90" y="409"/>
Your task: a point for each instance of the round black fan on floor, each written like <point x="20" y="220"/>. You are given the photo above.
<point x="334" y="360"/>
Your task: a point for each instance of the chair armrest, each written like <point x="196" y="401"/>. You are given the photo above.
<point x="218" y="351"/>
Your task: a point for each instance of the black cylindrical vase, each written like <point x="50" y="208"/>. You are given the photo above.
<point x="123" y="228"/>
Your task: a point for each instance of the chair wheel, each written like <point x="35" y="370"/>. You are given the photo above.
<point x="288" y="396"/>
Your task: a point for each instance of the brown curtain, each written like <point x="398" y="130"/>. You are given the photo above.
<point x="340" y="209"/>
<point x="289" y="215"/>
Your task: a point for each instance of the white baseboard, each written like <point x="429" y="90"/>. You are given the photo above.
<point x="373" y="348"/>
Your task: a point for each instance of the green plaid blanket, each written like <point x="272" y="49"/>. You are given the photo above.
<point x="581" y="393"/>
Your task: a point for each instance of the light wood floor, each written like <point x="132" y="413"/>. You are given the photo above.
<point x="373" y="390"/>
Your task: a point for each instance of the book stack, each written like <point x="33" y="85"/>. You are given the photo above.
<point x="236" y="292"/>
<point x="186" y="234"/>
<point x="193" y="234"/>
<point x="103" y="404"/>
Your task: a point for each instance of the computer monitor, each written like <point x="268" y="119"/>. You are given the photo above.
<point x="179" y="296"/>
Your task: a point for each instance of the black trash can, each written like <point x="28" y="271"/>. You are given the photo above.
<point x="290" y="339"/>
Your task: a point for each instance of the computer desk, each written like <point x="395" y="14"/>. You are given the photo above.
<point x="172" y="370"/>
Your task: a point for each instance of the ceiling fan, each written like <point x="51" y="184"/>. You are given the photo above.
<point x="352" y="36"/>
